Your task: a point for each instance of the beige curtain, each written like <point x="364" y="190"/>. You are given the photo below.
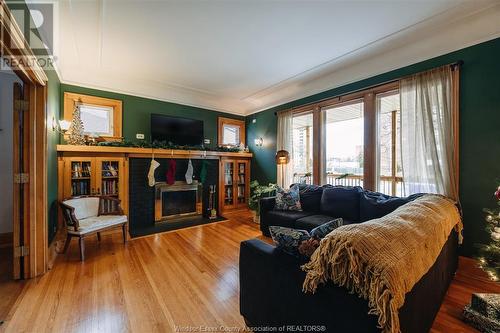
<point x="285" y="142"/>
<point x="429" y="131"/>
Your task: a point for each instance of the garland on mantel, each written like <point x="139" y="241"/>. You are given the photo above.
<point x="165" y="145"/>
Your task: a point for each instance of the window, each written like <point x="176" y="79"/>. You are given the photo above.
<point x="344" y="146"/>
<point x="231" y="135"/>
<point x="350" y="140"/>
<point x="302" y="154"/>
<point x="97" y="120"/>
<point x="366" y="137"/>
<point x="231" y="132"/>
<point x="100" y="116"/>
<point x="390" y="179"/>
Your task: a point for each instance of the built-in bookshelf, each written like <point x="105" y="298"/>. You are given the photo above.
<point x="242" y="174"/>
<point x="235" y="183"/>
<point x="228" y="183"/>
<point x="110" y="178"/>
<point x="93" y="176"/>
<point x="81" y="173"/>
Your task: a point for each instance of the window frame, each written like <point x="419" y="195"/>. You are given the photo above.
<point x="230" y="121"/>
<point x="325" y="109"/>
<point x="368" y="97"/>
<point x="304" y="112"/>
<point x="70" y="99"/>
<point x="394" y="178"/>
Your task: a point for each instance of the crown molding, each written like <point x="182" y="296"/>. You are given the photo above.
<point x="187" y="100"/>
<point x="466" y="24"/>
<point x="445" y="34"/>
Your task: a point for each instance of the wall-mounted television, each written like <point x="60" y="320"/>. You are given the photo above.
<point x="177" y="130"/>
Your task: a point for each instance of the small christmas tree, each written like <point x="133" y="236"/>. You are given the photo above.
<point x="76" y="136"/>
<point x="489" y="254"/>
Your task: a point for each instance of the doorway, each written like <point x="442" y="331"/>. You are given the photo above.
<point x="10" y="83"/>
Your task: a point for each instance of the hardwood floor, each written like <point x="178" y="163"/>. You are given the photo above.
<point x="9" y="289"/>
<point x="469" y="279"/>
<point x="182" y="278"/>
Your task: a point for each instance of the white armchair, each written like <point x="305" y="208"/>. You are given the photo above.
<point x="90" y="215"/>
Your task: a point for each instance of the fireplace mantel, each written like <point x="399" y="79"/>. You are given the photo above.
<point x="90" y="166"/>
<point x="148" y="152"/>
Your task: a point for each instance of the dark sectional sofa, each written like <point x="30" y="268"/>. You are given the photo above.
<point x="321" y="204"/>
<point x="271" y="296"/>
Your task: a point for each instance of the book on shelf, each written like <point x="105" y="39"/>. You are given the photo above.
<point x="108" y="170"/>
<point x="80" y="188"/>
<point x="228" y="180"/>
<point x="109" y="187"/>
<point x="80" y="170"/>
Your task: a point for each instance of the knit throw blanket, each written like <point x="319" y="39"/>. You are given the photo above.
<point x="382" y="259"/>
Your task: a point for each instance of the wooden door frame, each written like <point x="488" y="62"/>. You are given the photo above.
<point x="14" y="46"/>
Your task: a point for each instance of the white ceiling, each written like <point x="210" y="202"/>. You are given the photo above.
<point x="245" y="56"/>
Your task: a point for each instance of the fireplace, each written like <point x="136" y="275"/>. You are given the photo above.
<point x="177" y="200"/>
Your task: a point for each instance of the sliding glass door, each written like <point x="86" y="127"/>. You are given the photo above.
<point x="344" y="147"/>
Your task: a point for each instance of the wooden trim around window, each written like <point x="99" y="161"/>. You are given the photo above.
<point x="370" y="142"/>
<point x="346" y="98"/>
<point x="71" y="98"/>
<point x="319" y="161"/>
<point x="230" y="121"/>
<point x="368" y="97"/>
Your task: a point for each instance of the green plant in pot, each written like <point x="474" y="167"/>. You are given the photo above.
<point x="258" y="192"/>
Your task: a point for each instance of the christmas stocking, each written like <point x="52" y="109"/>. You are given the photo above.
<point x="189" y="173"/>
<point x="172" y="165"/>
<point x="203" y="172"/>
<point x="151" y="174"/>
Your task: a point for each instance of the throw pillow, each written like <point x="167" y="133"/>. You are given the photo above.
<point x="324" y="229"/>
<point x="307" y="247"/>
<point x="288" y="240"/>
<point x="288" y="199"/>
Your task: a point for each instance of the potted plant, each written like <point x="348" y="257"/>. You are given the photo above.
<point x="257" y="192"/>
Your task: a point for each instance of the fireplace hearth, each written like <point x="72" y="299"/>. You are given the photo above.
<point x="178" y="200"/>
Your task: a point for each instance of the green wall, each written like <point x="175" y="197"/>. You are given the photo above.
<point x="53" y="112"/>
<point x="137" y="111"/>
<point x="479" y="130"/>
<point x="262" y="125"/>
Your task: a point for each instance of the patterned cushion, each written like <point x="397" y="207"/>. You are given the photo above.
<point x="325" y="229"/>
<point x="288" y="239"/>
<point x="288" y="199"/>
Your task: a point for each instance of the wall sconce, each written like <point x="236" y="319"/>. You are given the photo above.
<point x="61" y="127"/>
<point x="258" y="142"/>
